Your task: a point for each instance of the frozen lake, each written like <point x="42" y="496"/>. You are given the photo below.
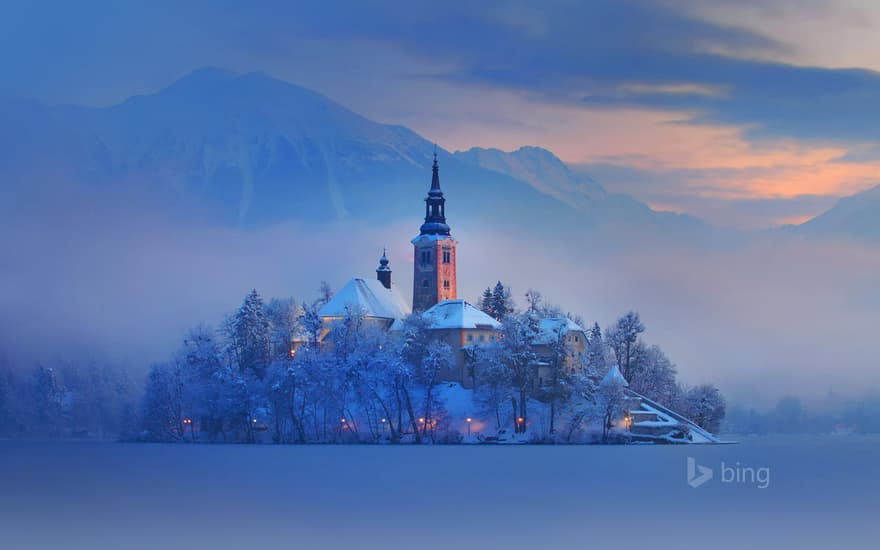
<point x="823" y="492"/>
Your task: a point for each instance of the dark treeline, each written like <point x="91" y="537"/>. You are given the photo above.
<point x="66" y="399"/>
<point x="790" y="416"/>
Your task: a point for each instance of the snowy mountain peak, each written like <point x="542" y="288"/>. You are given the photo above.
<point x="855" y="216"/>
<point x="200" y="80"/>
<point x="541" y="169"/>
<point x="252" y="149"/>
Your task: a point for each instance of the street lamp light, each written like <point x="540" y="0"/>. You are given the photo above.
<point x="469" y="420"/>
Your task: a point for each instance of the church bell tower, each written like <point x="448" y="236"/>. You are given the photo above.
<point x="434" y="249"/>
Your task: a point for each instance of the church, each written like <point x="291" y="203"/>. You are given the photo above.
<point x="464" y="327"/>
<point x="452" y="320"/>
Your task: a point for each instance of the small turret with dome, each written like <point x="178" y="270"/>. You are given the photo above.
<point x="383" y="272"/>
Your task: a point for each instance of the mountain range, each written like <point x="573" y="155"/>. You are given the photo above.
<point x="252" y="150"/>
<point x="856" y="217"/>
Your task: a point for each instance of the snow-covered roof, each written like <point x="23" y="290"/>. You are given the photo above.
<point x="614" y="377"/>
<point x="459" y="314"/>
<point x="371" y="296"/>
<point x="549" y="329"/>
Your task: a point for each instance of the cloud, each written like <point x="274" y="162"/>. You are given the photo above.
<point x="693" y="191"/>
<point x="697" y="86"/>
<point x="597" y="54"/>
<point x="594" y="54"/>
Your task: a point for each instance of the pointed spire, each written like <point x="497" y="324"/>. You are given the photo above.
<point x="435" y="178"/>
<point x="435" y="205"/>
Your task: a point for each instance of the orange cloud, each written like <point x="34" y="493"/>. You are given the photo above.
<point x="661" y="141"/>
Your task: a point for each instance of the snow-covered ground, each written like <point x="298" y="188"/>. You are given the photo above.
<point x="822" y="493"/>
<point x="463" y="418"/>
<point x="460" y="404"/>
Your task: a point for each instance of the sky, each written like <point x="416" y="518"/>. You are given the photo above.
<point x="749" y="114"/>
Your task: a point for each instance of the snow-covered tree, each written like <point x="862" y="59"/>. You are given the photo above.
<point x="377" y="387"/>
<point x="623" y="338"/>
<point x="437" y="359"/>
<point x="557" y="386"/>
<point x="517" y="352"/>
<point x="705" y="406"/>
<point x="325" y="294"/>
<point x="162" y="409"/>
<point x="534" y="300"/>
<point x="582" y="408"/>
<point x="536" y="303"/>
<point x="205" y="395"/>
<point x="414" y="347"/>
<point x="655" y="377"/>
<point x="495" y="381"/>
<point x="312" y="323"/>
<point x="249" y="338"/>
<point x="596" y="351"/>
<point x="284" y="316"/>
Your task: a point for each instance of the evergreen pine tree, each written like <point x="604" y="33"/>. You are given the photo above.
<point x="251" y="335"/>
<point x="486" y="302"/>
<point x="501" y="301"/>
<point x="595" y="351"/>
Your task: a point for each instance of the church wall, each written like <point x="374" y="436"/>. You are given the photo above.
<point x="424" y="276"/>
<point x="433" y="271"/>
<point x="457" y="339"/>
<point x="446" y="271"/>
